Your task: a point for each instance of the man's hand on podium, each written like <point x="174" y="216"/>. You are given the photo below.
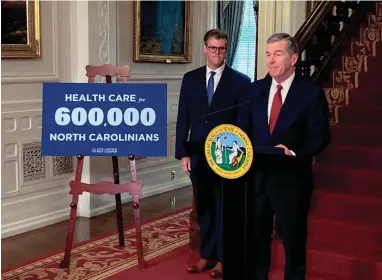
<point x="186" y="165"/>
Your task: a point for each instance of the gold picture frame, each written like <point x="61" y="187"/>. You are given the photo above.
<point x="165" y="34"/>
<point x="23" y="38"/>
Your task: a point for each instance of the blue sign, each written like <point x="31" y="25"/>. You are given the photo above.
<point x="98" y="119"/>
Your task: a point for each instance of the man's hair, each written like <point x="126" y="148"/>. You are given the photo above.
<point x="292" y="46"/>
<point x="216" y="34"/>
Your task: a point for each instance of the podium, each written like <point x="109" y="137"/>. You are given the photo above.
<point x="230" y="154"/>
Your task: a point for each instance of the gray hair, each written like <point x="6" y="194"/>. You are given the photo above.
<point x="292" y="45"/>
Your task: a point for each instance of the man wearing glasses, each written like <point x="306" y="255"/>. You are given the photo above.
<point x="207" y="89"/>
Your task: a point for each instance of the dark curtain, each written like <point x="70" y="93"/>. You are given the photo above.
<point x="230" y="17"/>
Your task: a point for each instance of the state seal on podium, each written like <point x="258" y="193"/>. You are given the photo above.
<point x="228" y="151"/>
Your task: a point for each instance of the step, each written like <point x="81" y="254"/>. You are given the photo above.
<point x="358" y="115"/>
<point x="337" y="96"/>
<point x="331" y="263"/>
<point x="345" y="79"/>
<point x="374" y="62"/>
<point x="347" y="207"/>
<point x="345" y="234"/>
<point x="352" y="157"/>
<point x="354" y="63"/>
<point x="337" y="179"/>
<point x="366" y="96"/>
<point x="349" y="80"/>
<point x="371" y="77"/>
<point x="353" y="135"/>
<point x="357" y="48"/>
<point x="278" y="274"/>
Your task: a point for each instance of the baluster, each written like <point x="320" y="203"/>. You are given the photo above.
<point x="303" y="68"/>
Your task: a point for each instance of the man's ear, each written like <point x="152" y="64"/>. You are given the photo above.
<point x="294" y="59"/>
<point x="205" y="49"/>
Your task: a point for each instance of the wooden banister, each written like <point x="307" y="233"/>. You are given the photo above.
<point x="312" y="22"/>
<point x="324" y="31"/>
<point x="347" y="31"/>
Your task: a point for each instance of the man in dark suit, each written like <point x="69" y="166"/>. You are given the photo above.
<point x="291" y="113"/>
<point x="205" y="90"/>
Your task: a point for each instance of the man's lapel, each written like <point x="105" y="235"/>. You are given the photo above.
<point x="288" y="110"/>
<point x="201" y="89"/>
<point x="261" y="108"/>
<point x="222" y="85"/>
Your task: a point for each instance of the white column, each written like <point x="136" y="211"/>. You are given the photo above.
<point x="212" y="14"/>
<point x="276" y="16"/>
<point x="79" y="29"/>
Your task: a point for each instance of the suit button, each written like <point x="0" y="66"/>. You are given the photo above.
<point x="206" y="121"/>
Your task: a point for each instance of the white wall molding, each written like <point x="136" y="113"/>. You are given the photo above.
<point x="299" y="15"/>
<point x="276" y="16"/>
<point x="55" y="43"/>
<point x="61" y="187"/>
<point x="33" y="223"/>
<point x="24" y="170"/>
<point x="23" y="74"/>
<point x="205" y="9"/>
<point x="33" y="195"/>
<point x="103" y="29"/>
<point x="79" y="33"/>
<point x="212" y="14"/>
<point x="266" y="27"/>
<point x="79" y="24"/>
<point x="30" y="79"/>
<point x="24" y="105"/>
<point x="39" y="213"/>
<point x="30" y="101"/>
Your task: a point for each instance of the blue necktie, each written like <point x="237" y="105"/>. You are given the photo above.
<point x="210" y="87"/>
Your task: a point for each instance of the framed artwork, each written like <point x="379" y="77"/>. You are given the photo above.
<point x="162" y="31"/>
<point x="20" y="29"/>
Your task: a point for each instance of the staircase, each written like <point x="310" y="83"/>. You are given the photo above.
<point x="345" y="221"/>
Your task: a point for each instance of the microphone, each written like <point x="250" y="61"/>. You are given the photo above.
<point x="210" y="114"/>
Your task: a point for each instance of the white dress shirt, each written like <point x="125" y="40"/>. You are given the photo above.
<point x="218" y="75"/>
<point x="284" y="91"/>
<point x="286" y="86"/>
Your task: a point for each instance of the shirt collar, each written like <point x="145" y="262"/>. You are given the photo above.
<point x="218" y="71"/>
<point x="286" y="84"/>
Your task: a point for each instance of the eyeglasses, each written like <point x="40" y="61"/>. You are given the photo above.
<point x="213" y="49"/>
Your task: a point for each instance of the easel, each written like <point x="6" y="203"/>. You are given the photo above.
<point x="133" y="188"/>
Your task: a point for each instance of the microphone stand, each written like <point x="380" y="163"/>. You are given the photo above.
<point x="210" y="114"/>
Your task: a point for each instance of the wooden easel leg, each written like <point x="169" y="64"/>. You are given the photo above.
<point x="118" y="203"/>
<point x="70" y="233"/>
<point x="73" y="213"/>
<point x="138" y="232"/>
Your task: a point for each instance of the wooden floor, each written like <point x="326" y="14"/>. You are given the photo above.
<point x="22" y="247"/>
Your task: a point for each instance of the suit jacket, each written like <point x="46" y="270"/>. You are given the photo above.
<point x="193" y="104"/>
<point x="302" y="126"/>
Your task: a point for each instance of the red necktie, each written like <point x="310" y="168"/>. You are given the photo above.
<point x="276" y="107"/>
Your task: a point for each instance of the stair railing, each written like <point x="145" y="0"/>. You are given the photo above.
<point x="323" y="33"/>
